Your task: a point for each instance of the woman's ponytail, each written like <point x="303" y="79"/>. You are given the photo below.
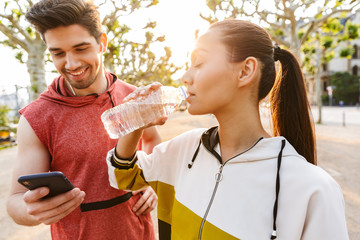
<point x="290" y="109"/>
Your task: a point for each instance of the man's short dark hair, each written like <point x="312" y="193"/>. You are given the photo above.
<point x="49" y="14"/>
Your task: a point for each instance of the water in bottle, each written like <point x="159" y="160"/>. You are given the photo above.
<point x="139" y="112"/>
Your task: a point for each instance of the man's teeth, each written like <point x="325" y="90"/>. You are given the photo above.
<point x="77" y="73"/>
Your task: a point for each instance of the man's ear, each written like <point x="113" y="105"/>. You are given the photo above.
<point x="247" y="71"/>
<point x="103" y="42"/>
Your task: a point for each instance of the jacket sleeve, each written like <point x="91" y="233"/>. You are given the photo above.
<point x="124" y="175"/>
<point x="325" y="218"/>
<point x="160" y="168"/>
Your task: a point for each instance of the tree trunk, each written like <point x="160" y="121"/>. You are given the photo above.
<point x="36" y="69"/>
<point x="296" y="50"/>
<point x="318" y="82"/>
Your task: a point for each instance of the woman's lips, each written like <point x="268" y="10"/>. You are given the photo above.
<point x="189" y="96"/>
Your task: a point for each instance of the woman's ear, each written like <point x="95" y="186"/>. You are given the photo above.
<point x="247" y="71"/>
<point x="103" y="42"/>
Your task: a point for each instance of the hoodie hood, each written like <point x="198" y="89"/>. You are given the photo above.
<point x="59" y="93"/>
<point x="263" y="149"/>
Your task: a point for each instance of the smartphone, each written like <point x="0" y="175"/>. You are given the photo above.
<point x="57" y="182"/>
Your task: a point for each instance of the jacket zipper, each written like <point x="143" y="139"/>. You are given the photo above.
<point x="218" y="178"/>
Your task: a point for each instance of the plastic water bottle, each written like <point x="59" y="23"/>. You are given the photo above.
<point x="134" y="114"/>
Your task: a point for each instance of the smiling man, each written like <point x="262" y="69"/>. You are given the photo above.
<point x="62" y="131"/>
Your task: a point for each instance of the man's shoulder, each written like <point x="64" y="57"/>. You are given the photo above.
<point x="120" y="90"/>
<point x="36" y="106"/>
<point x="121" y="84"/>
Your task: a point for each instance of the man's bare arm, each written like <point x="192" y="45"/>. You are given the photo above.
<point x="26" y="207"/>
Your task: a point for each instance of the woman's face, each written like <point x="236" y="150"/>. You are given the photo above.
<point x="211" y="79"/>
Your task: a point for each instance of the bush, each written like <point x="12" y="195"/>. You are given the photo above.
<point x="346" y="87"/>
<point x="4" y="118"/>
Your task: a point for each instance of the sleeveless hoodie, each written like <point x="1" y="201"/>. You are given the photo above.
<point x="71" y="129"/>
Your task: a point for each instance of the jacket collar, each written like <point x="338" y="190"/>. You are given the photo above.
<point x="263" y="149"/>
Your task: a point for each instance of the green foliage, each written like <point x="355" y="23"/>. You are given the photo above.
<point x="19" y="57"/>
<point x="326" y="41"/>
<point x="134" y="59"/>
<point x="331" y="35"/>
<point x="332" y="25"/>
<point x="346" y="52"/>
<point x="20" y="37"/>
<point x="279" y="32"/>
<point x="346" y="87"/>
<point x="325" y="99"/>
<point x="328" y="56"/>
<point x="4" y="119"/>
<point x="352" y="30"/>
<point x="301" y="33"/>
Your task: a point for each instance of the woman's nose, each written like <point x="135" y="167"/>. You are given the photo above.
<point x="186" y="78"/>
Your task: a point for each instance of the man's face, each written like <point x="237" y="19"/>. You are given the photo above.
<point x="76" y="55"/>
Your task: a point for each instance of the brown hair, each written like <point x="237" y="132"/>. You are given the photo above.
<point x="290" y="109"/>
<point x="49" y="14"/>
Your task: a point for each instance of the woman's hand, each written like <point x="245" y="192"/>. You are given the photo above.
<point x="143" y="91"/>
<point x="127" y="145"/>
<point x="147" y="202"/>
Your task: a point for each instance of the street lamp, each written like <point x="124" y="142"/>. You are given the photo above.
<point x="330" y="93"/>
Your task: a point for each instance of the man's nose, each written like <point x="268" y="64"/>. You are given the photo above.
<point x="72" y="62"/>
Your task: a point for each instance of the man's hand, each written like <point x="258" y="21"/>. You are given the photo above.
<point x="147" y="202"/>
<point x="51" y="210"/>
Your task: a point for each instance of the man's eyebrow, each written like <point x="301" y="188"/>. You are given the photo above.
<point x="75" y="46"/>
<point x="81" y="44"/>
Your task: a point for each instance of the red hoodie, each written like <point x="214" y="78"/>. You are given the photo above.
<point x="71" y="129"/>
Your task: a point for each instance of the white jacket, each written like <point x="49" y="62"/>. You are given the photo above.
<point x="240" y="204"/>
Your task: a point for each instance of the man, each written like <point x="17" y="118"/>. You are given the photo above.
<point x="62" y="131"/>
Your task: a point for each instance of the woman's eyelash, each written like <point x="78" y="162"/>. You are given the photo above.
<point x="197" y="65"/>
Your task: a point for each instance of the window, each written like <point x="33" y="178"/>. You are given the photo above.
<point x="355" y="54"/>
<point x="355" y="70"/>
<point x="324" y="67"/>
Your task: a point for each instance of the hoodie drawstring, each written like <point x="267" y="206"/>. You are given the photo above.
<point x="273" y="235"/>
<point x="195" y="155"/>
<point x="112" y="103"/>
<point x="277" y="185"/>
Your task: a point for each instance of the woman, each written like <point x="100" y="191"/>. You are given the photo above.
<point x="235" y="181"/>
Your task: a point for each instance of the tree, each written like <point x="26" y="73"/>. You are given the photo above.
<point x="4" y="118"/>
<point x="132" y="61"/>
<point x="290" y="22"/>
<point x="24" y="40"/>
<point x="322" y="45"/>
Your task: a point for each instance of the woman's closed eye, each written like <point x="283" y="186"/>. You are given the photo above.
<point x="197" y="63"/>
